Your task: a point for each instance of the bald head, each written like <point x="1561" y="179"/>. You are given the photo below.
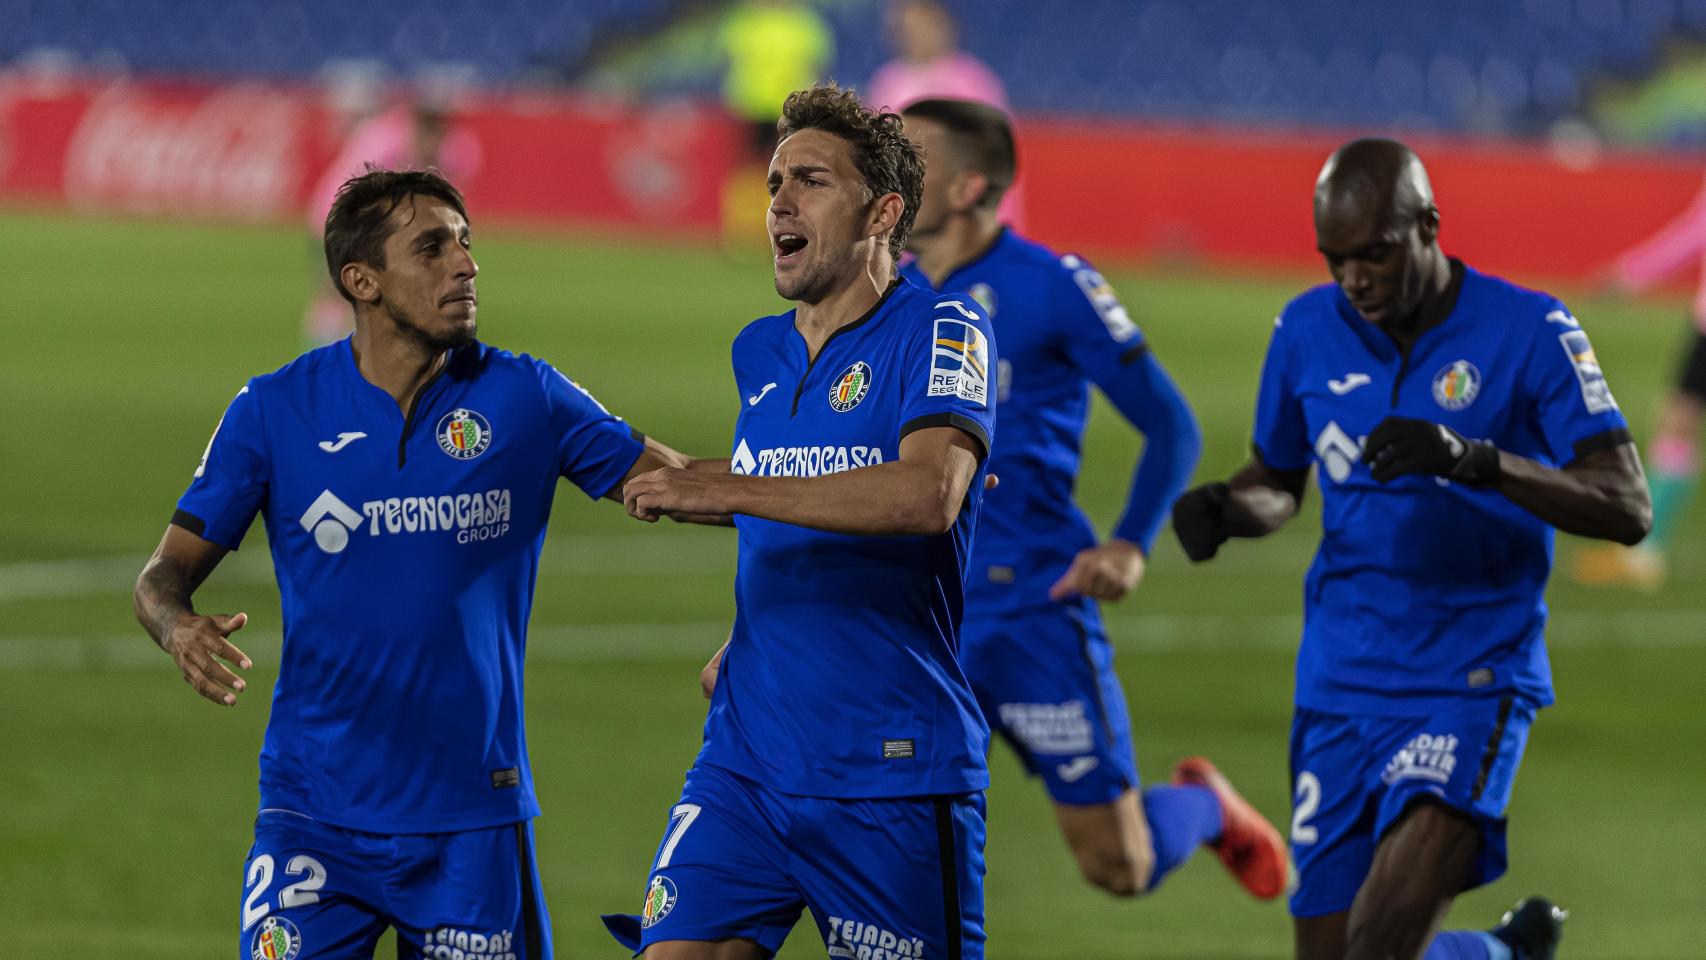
<point x="1378" y="228"/>
<point x="1377" y="176"/>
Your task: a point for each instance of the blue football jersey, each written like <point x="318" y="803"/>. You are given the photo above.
<point x="406" y="552"/>
<point x="1424" y="591"/>
<point x="1061" y="328"/>
<point x="842" y="676"/>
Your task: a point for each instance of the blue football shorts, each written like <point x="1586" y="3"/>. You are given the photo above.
<point x="313" y="891"/>
<point x="1354" y="777"/>
<point x="1045" y="680"/>
<point x="884" y="879"/>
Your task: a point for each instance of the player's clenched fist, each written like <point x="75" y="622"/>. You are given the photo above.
<point x="198" y="643"/>
<point x="1199" y="520"/>
<point x="1400" y="446"/>
<point x="1107" y="571"/>
<point x="674" y="491"/>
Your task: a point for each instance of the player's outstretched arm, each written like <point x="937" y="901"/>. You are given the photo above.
<point x="1257" y="501"/>
<point x="919" y="494"/>
<point x="163" y="606"/>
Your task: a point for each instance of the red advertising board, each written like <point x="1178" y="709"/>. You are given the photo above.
<point x="1115" y="190"/>
<point x="255" y="151"/>
<point x="1522" y="209"/>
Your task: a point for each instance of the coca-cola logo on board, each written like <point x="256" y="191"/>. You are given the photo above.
<point x="230" y="152"/>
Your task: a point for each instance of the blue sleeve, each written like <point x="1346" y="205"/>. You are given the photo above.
<point x="231" y="483"/>
<point x="594" y="447"/>
<point x="1568" y="393"/>
<point x="1111" y="351"/>
<point x="1281" y="434"/>
<point x="947" y="372"/>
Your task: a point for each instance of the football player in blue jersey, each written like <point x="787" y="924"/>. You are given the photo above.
<point x="843" y="760"/>
<point x="1034" y="647"/>
<point x="405" y="476"/>
<point x="1453" y="421"/>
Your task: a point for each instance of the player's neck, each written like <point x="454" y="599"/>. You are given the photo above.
<point x="395" y="364"/>
<point x="817" y="322"/>
<point x="1439" y="296"/>
<point x="960" y="241"/>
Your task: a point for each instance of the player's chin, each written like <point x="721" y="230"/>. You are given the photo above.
<point x="456" y="328"/>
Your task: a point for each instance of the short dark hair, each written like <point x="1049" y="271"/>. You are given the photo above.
<point x="982" y="133"/>
<point x="888" y="162"/>
<point x="359" y="222"/>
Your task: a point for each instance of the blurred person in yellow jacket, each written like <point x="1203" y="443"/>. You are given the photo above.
<point x="774" y="47"/>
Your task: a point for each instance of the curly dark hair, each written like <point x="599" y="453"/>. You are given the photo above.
<point x="887" y="161"/>
<point x="359" y="222"/>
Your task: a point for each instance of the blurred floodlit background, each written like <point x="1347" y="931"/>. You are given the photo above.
<point x="164" y="165"/>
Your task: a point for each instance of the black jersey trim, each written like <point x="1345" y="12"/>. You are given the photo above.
<point x="1491" y="753"/>
<point x="1134" y="353"/>
<point x="1610" y="439"/>
<point x="532" y="930"/>
<point x="957" y="420"/>
<point x="838" y="331"/>
<point x="947" y="853"/>
<point x="190" y="522"/>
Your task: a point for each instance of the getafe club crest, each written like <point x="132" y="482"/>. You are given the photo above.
<point x="660" y="900"/>
<point x="464" y="434"/>
<point x="277" y="939"/>
<point x="1456" y="385"/>
<point x="984" y="294"/>
<point x="850" y="388"/>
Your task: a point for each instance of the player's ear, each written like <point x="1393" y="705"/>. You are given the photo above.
<point x="967" y="190"/>
<point x="1428" y="224"/>
<point x="886" y="214"/>
<point x="361" y="280"/>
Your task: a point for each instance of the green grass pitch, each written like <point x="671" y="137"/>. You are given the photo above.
<point x="126" y="802"/>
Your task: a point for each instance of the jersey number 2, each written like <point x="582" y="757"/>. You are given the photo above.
<point x="1308" y="801"/>
<point x="299" y="894"/>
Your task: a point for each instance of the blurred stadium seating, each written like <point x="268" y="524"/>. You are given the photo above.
<point x="1511" y="66"/>
<point x="500" y="40"/>
<point x="1450" y="65"/>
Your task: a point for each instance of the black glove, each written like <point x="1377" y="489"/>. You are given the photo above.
<point x="1401" y="446"/>
<point x="1199" y="520"/>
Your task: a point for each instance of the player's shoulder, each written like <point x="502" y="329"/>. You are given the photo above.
<point x="914" y="306"/>
<point x="304" y="372"/>
<point x="765" y="330"/>
<point x="1316" y="306"/>
<point x="1524" y="306"/>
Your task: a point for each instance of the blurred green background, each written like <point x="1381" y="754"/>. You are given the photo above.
<point x="126" y="802"/>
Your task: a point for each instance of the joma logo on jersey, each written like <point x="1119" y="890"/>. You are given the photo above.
<point x="852" y="940"/>
<point x="471" y="516"/>
<point x="453" y="943"/>
<point x="802" y="461"/>
<point x="1426" y="757"/>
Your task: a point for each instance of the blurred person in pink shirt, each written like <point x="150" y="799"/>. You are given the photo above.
<point x="1673" y="455"/>
<point x="931" y="65"/>
<point x="408" y="136"/>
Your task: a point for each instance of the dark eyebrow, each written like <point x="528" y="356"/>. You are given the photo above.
<point x="1360" y="252"/>
<point x="804" y="170"/>
<point x="437" y="234"/>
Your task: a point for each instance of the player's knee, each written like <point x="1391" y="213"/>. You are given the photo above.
<point x="1114" y="870"/>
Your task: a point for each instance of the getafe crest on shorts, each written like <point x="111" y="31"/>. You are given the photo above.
<point x="464" y="434"/>
<point x="850" y="388"/>
<point x="959" y="361"/>
<point x="660" y="900"/>
<point x="1456" y="385"/>
<point x="277" y="939"/>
